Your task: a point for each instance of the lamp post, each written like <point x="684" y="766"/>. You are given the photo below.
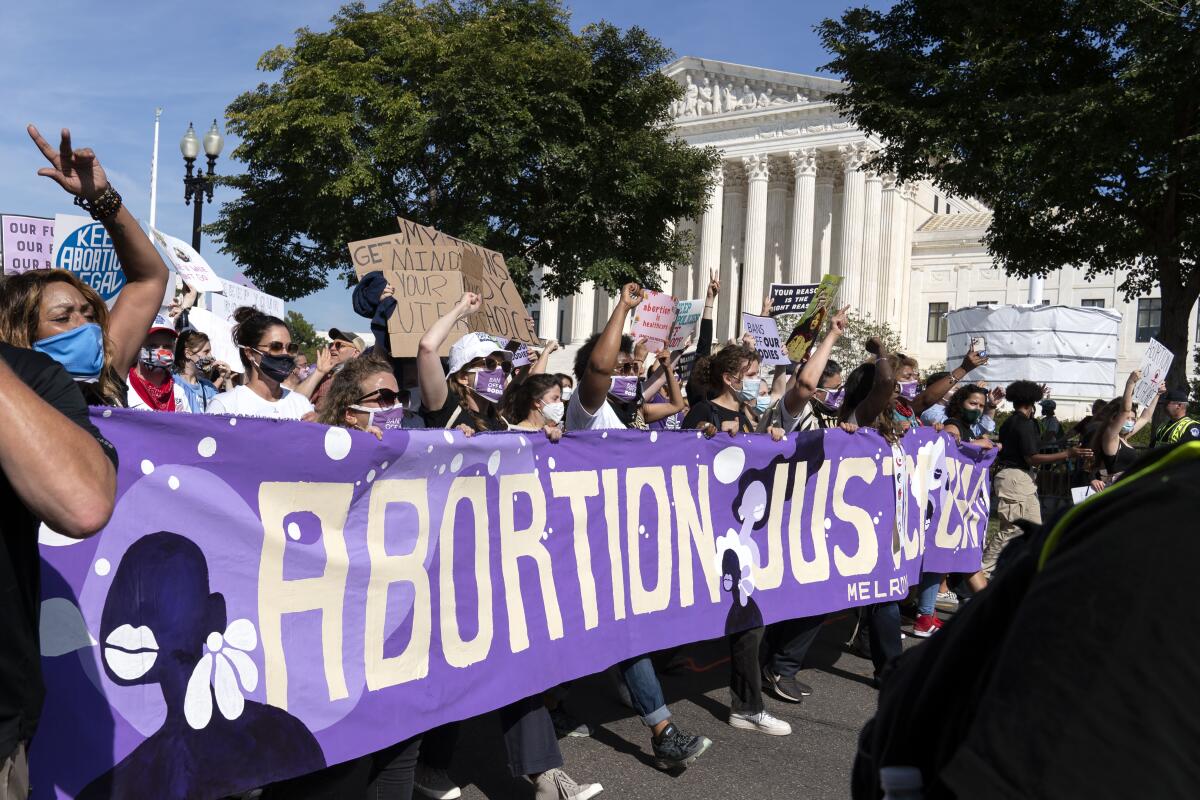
<point x="197" y="185"/>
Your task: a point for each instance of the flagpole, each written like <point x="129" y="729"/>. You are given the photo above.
<point x="154" y="172"/>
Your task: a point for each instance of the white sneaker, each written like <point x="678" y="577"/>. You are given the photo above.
<point x="763" y="722"/>
<point x="946" y="601"/>
<point x="435" y="783"/>
<point x="554" y="784"/>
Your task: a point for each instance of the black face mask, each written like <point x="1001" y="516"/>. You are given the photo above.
<point x="277" y="368"/>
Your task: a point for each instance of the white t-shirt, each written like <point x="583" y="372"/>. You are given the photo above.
<point x="182" y="404"/>
<point x="605" y="418"/>
<point x="241" y="401"/>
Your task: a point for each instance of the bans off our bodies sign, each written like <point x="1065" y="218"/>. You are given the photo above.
<point x="321" y="594"/>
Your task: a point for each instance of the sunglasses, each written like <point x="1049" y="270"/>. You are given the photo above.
<point x="385" y="397"/>
<point x="492" y="362"/>
<point x="629" y="368"/>
<point x="279" y="348"/>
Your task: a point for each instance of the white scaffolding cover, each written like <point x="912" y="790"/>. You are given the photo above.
<point x="1072" y="350"/>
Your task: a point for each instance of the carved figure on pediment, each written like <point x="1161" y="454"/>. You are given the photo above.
<point x="749" y="99"/>
<point x="765" y="98"/>
<point x="780" y="100"/>
<point x="691" y="97"/>
<point x="730" y="97"/>
<point x="800" y="98"/>
<point x="706" y="98"/>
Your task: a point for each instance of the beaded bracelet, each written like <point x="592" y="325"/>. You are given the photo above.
<point x="103" y="207"/>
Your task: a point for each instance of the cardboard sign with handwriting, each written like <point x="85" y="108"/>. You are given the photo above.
<point x="420" y="263"/>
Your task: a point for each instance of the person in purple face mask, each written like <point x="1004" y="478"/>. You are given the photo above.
<point x="364" y="395"/>
<point x="467" y="394"/>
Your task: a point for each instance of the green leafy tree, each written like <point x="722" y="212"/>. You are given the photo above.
<point x="305" y="335"/>
<point x="1075" y="120"/>
<point x="851" y="348"/>
<point x="488" y="119"/>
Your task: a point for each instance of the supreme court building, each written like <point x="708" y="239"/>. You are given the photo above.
<point x="793" y="202"/>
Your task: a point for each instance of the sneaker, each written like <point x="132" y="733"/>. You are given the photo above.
<point x="435" y="783"/>
<point x="762" y="722"/>
<point x="566" y="725"/>
<point x="674" y="749"/>
<point x="946" y="601"/>
<point x="926" y="625"/>
<point x="786" y="687"/>
<point x="554" y="784"/>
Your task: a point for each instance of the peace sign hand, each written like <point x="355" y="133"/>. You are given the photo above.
<point x="76" y="171"/>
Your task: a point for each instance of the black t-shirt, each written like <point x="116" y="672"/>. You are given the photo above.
<point x="440" y="417"/>
<point x="708" y="411"/>
<point x="21" y="689"/>
<point x="1020" y="438"/>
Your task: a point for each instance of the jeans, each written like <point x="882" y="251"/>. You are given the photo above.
<point x="792" y="639"/>
<point x="928" y="590"/>
<point x="745" y="671"/>
<point x="884" y="634"/>
<point x="645" y="690"/>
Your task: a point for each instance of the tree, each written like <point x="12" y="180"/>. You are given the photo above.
<point x="305" y="335"/>
<point x="851" y="348"/>
<point x="488" y="119"/>
<point x="1075" y="120"/>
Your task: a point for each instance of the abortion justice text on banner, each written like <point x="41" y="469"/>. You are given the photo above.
<point x="323" y="594"/>
<point x="766" y="339"/>
<point x="653" y="319"/>
<point x="188" y="264"/>
<point x="429" y="270"/>
<point x="82" y="246"/>
<point x="687" y="319"/>
<point x="1156" y="362"/>
<point x="234" y="295"/>
<point x="26" y="243"/>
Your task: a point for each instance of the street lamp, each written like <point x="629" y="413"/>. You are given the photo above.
<point x="197" y="185"/>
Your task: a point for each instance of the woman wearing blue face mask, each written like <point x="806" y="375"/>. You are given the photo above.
<point x="1119" y="421"/>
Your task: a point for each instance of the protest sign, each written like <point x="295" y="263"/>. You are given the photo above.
<point x="683" y="368"/>
<point x="189" y="265"/>
<point x="324" y="595"/>
<point x="418" y="248"/>
<point x="26" y="243"/>
<point x="687" y="319"/>
<point x="791" y="298"/>
<point x="235" y="295"/>
<point x="220" y="336"/>
<point x="82" y="246"/>
<point x="1156" y="362"/>
<point x="808" y="326"/>
<point x="766" y="339"/>
<point x="653" y="319"/>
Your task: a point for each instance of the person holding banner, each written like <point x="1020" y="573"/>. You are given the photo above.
<point x="53" y="311"/>
<point x="537" y="405"/>
<point x="811" y="384"/>
<point x="466" y="396"/>
<point x="364" y="396"/>
<point x="268" y="355"/>
<point x="151" y="385"/>
<point x="607" y="388"/>
<point x="733" y="380"/>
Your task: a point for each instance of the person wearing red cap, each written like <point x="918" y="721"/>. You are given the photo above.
<point x="151" y="385"/>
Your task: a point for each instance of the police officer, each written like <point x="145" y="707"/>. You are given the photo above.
<point x="1180" y="427"/>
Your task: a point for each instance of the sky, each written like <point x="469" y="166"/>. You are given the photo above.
<point x="101" y="69"/>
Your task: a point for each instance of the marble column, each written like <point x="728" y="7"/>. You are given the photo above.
<point x="869" y="288"/>
<point x="804" y="190"/>
<point x="731" y="251"/>
<point x="583" y="307"/>
<point x="907" y="216"/>
<point x="605" y="303"/>
<point x="891" y="239"/>
<point x="779" y="222"/>
<point x="823" y="220"/>
<point x="710" y="236"/>
<point x="853" y="211"/>
<point x="752" y="289"/>
<point x="547" y="316"/>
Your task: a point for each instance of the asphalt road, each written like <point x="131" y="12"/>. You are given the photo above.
<point x="813" y="762"/>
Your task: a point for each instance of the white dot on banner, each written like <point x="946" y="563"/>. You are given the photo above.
<point x="641" y="529"/>
<point x="102" y="566"/>
<point x="604" y="435"/>
<point x="728" y="464"/>
<point x="173" y="482"/>
<point x="550" y="462"/>
<point x="535" y="472"/>
<point x="293" y="531"/>
<point x="147" y="466"/>
<point x="106" y="413"/>
<point x="448" y="437"/>
<point x="828" y="523"/>
<point x="654" y="436"/>
<point x="698" y="434"/>
<point x="442" y="469"/>
<point x="337" y="443"/>
<point x="207" y="447"/>
<point x="429" y="449"/>
<point x="456" y="462"/>
<point x="383" y="465"/>
<point x="233" y="421"/>
<point x="493" y="462"/>
<point x="521" y="439"/>
<point x="370" y="475"/>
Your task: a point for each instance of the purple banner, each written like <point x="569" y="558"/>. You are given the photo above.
<point x="271" y="597"/>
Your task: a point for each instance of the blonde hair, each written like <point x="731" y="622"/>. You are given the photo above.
<point x="21" y="314"/>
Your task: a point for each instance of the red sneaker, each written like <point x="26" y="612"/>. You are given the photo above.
<point x="926" y="625"/>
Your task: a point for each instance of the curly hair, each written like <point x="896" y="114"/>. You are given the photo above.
<point x="729" y="360"/>
<point x="584" y="354"/>
<point x="346" y="388"/>
<point x="1023" y="393"/>
<point x="954" y="409"/>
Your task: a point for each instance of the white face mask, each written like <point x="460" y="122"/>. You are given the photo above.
<point x="566" y="393"/>
<point x="553" y="412"/>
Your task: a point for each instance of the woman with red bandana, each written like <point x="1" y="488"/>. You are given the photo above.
<point x="152" y="387"/>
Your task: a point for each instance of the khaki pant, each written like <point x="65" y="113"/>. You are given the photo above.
<point x="1016" y="498"/>
<point x="14" y="776"/>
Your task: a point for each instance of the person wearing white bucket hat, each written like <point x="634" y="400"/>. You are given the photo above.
<point x="467" y="394"/>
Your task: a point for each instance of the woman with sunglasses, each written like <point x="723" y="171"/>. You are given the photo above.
<point x="364" y="395"/>
<point x="468" y="395"/>
<point x="269" y="355"/>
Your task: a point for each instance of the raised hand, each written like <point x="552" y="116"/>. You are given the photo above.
<point x="325" y="360"/>
<point x="766" y="307"/>
<point x="841" y="320"/>
<point x="76" y="171"/>
<point x="997" y="395"/>
<point x="631" y="295"/>
<point x="714" y="284"/>
<point x="640" y="351"/>
<point x="972" y="360"/>
<point x="1134" y="377"/>
<point x="468" y="304"/>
